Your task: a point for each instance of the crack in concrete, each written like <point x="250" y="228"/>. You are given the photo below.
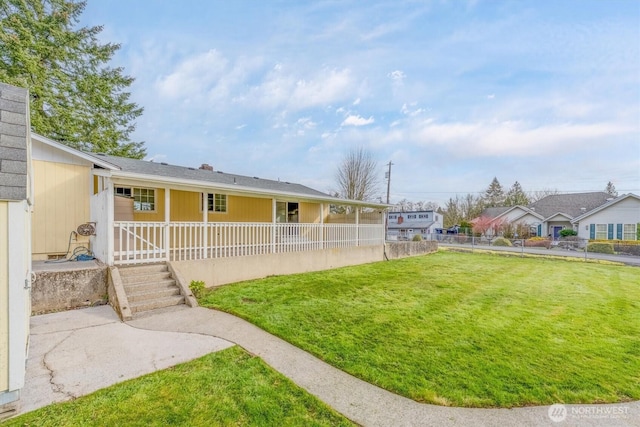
<point x="55" y="387"/>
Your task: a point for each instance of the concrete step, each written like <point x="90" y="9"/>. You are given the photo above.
<point x="142" y="306"/>
<point x="150" y="296"/>
<point x="149" y="286"/>
<point x="143" y="269"/>
<point x="131" y="279"/>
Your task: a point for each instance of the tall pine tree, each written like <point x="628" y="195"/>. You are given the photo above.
<point x="611" y="189"/>
<point x="494" y="194"/>
<point x="76" y="98"/>
<point x="516" y="196"/>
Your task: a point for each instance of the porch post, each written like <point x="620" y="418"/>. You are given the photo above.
<point x="357" y="226"/>
<point x="110" y="214"/>
<point x="167" y="221"/>
<point x="205" y="225"/>
<point x="321" y="225"/>
<point x="273" y="226"/>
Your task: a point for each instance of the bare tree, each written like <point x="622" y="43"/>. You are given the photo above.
<point x="534" y="196"/>
<point x="357" y="176"/>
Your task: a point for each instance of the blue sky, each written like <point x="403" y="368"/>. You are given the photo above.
<point x="452" y="92"/>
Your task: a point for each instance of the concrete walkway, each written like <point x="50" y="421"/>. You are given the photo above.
<point x="76" y="352"/>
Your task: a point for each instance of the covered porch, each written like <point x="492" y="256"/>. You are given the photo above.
<point x="241" y="224"/>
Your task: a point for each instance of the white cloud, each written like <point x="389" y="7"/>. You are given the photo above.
<point x="513" y="138"/>
<point x="397" y="76"/>
<point x="352" y="120"/>
<point x="356" y="102"/>
<point x="193" y="75"/>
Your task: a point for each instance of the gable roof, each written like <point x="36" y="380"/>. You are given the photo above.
<point x="70" y="150"/>
<point x="605" y="206"/>
<point x="144" y="170"/>
<point x="570" y="205"/>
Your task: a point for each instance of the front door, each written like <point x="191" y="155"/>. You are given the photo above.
<point x="556" y="231"/>
<point x="287" y="212"/>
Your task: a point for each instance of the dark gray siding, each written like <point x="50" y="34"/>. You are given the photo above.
<point x="13" y="142"/>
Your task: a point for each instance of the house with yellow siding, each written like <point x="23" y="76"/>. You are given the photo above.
<point x="128" y="211"/>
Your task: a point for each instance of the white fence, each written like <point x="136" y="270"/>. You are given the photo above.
<point x="139" y="242"/>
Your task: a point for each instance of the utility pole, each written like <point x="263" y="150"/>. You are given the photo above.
<point x="388" y="176"/>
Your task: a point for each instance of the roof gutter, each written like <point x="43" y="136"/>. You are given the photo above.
<point x="232" y="188"/>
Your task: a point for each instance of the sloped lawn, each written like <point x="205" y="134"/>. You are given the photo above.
<point x="228" y="388"/>
<point x="462" y="329"/>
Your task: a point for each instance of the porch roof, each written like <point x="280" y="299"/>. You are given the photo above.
<point x="152" y="172"/>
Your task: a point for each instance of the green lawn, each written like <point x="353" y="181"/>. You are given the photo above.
<point x="461" y="329"/>
<point x="228" y="388"/>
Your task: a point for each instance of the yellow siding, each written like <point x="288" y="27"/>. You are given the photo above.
<point x="61" y="204"/>
<point x="244" y="209"/>
<point x="185" y="206"/>
<point x="309" y="213"/>
<point x="158" y="214"/>
<point x="4" y="297"/>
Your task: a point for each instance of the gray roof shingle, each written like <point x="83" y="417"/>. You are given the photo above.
<point x="574" y="204"/>
<point x="213" y="177"/>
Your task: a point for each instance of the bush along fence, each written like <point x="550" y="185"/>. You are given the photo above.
<point x="566" y="243"/>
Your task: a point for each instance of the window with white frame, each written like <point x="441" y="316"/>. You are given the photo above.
<point x="217" y="203"/>
<point x="601" y="231"/>
<point x="144" y="199"/>
<point x="629" y="232"/>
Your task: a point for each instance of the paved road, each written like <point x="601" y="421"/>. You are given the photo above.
<point x="76" y="352"/>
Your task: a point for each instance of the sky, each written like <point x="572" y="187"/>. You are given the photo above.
<point x="453" y="93"/>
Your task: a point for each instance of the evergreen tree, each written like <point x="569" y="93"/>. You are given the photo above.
<point x="516" y="196"/>
<point x="494" y="194"/>
<point x="611" y="189"/>
<point x="75" y="97"/>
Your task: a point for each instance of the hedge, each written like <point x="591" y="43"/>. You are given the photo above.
<point x="602" y="248"/>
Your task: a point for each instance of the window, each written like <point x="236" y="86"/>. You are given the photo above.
<point x="629" y="232"/>
<point x="216" y="203"/>
<point x="601" y="231"/>
<point x="144" y="199"/>
<point x="123" y="191"/>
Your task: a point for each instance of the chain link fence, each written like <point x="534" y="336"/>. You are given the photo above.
<point x="570" y="243"/>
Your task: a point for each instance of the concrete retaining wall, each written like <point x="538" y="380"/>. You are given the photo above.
<point x="58" y="289"/>
<point x="406" y="249"/>
<point x="221" y="271"/>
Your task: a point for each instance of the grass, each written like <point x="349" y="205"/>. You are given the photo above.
<point x="475" y="330"/>
<point x="228" y="388"/>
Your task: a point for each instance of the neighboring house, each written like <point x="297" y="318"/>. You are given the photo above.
<point x="15" y="238"/>
<point x="618" y="219"/>
<point x="406" y="225"/>
<point x="139" y="211"/>
<point x="593" y="215"/>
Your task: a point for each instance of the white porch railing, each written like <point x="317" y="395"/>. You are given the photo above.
<point x="138" y="242"/>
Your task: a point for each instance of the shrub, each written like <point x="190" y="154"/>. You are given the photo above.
<point x="538" y="242"/>
<point x="601" y="248"/>
<point x="197" y="288"/>
<point x="631" y="247"/>
<point x="417" y="238"/>
<point x="568" y="232"/>
<point x="501" y="241"/>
